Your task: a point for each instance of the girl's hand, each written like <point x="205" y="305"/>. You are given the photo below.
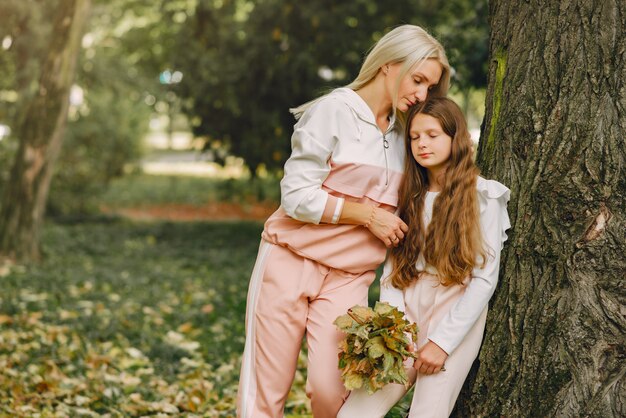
<point x="430" y="359"/>
<point x="387" y="227"/>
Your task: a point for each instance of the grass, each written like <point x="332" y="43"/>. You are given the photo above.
<point x="133" y="318"/>
<point x="161" y="305"/>
<point x="144" y="190"/>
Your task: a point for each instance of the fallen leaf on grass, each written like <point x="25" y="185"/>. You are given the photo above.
<point x="185" y="328"/>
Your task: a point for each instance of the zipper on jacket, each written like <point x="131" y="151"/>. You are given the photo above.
<point x="385" y="147"/>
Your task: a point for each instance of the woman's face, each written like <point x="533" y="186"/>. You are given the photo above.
<point x="430" y="145"/>
<point x="416" y="83"/>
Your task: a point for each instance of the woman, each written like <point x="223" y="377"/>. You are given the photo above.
<point x="320" y="249"/>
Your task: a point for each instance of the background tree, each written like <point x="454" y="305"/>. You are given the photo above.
<point x="116" y="89"/>
<point x="23" y="29"/>
<point x="554" y="133"/>
<point x="126" y="45"/>
<point x="40" y="130"/>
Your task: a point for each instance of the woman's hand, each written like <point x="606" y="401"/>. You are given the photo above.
<point x="430" y="359"/>
<point x="387" y="227"/>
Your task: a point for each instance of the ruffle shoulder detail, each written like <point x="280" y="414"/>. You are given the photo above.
<point x="488" y="190"/>
<point x="491" y="189"/>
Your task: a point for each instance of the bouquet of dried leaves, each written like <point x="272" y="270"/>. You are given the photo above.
<point x="375" y="347"/>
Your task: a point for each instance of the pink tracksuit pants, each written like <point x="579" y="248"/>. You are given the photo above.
<point x="290" y="297"/>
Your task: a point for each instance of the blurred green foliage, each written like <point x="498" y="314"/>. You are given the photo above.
<point x="96" y="150"/>
<point x="243" y="64"/>
<point x="109" y="112"/>
<point x="23" y="29"/>
<point x="123" y="50"/>
<point x="247" y="62"/>
<point x="7" y="151"/>
<point x="24" y="26"/>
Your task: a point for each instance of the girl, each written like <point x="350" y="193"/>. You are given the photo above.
<point x="320" y="249"/>
<point x="446" y="269"/>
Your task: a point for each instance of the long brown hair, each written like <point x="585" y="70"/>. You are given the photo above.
<point x="452" y="243"/>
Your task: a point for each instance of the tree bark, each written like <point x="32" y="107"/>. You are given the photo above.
<point x="554" y="133"/>
<point x="40" y="131"/>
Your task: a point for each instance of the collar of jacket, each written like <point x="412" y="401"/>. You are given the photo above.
<point x="359" y="107"/>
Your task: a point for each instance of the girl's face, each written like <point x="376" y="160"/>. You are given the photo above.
<point x="430" y="145"/>
<point x="416" y="83"/>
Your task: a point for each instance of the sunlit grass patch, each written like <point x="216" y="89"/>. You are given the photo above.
<point x="145" y="190"/>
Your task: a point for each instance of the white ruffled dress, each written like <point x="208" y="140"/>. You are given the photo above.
<point x="456" y="323"/>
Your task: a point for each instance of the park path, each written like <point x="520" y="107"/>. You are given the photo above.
<point x="217" y="211"/>
<point x="193" y="163"/>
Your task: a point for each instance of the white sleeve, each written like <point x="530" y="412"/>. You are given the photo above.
<point x="389" y="293"/>
<point x="463" y="315"/>
<point x="313" y="141"/>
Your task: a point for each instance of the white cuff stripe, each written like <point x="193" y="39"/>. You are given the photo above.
<point x="338" y="209"/>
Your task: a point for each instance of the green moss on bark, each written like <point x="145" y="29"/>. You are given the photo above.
<point x="501" y="60"/>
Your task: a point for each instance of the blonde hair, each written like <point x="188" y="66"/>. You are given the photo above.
<point x="453" y="242"/>
<point x="408" y="44"/>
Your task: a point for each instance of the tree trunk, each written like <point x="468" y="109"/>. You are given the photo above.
<point x="40" y="131"/>
<point x="554" y="133"/>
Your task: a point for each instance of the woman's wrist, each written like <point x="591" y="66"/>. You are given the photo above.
<point x="368" y="223"/>
<point x="354" y="213"/>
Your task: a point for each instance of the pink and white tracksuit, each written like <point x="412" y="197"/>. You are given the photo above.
<point x="310" y="269"/>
